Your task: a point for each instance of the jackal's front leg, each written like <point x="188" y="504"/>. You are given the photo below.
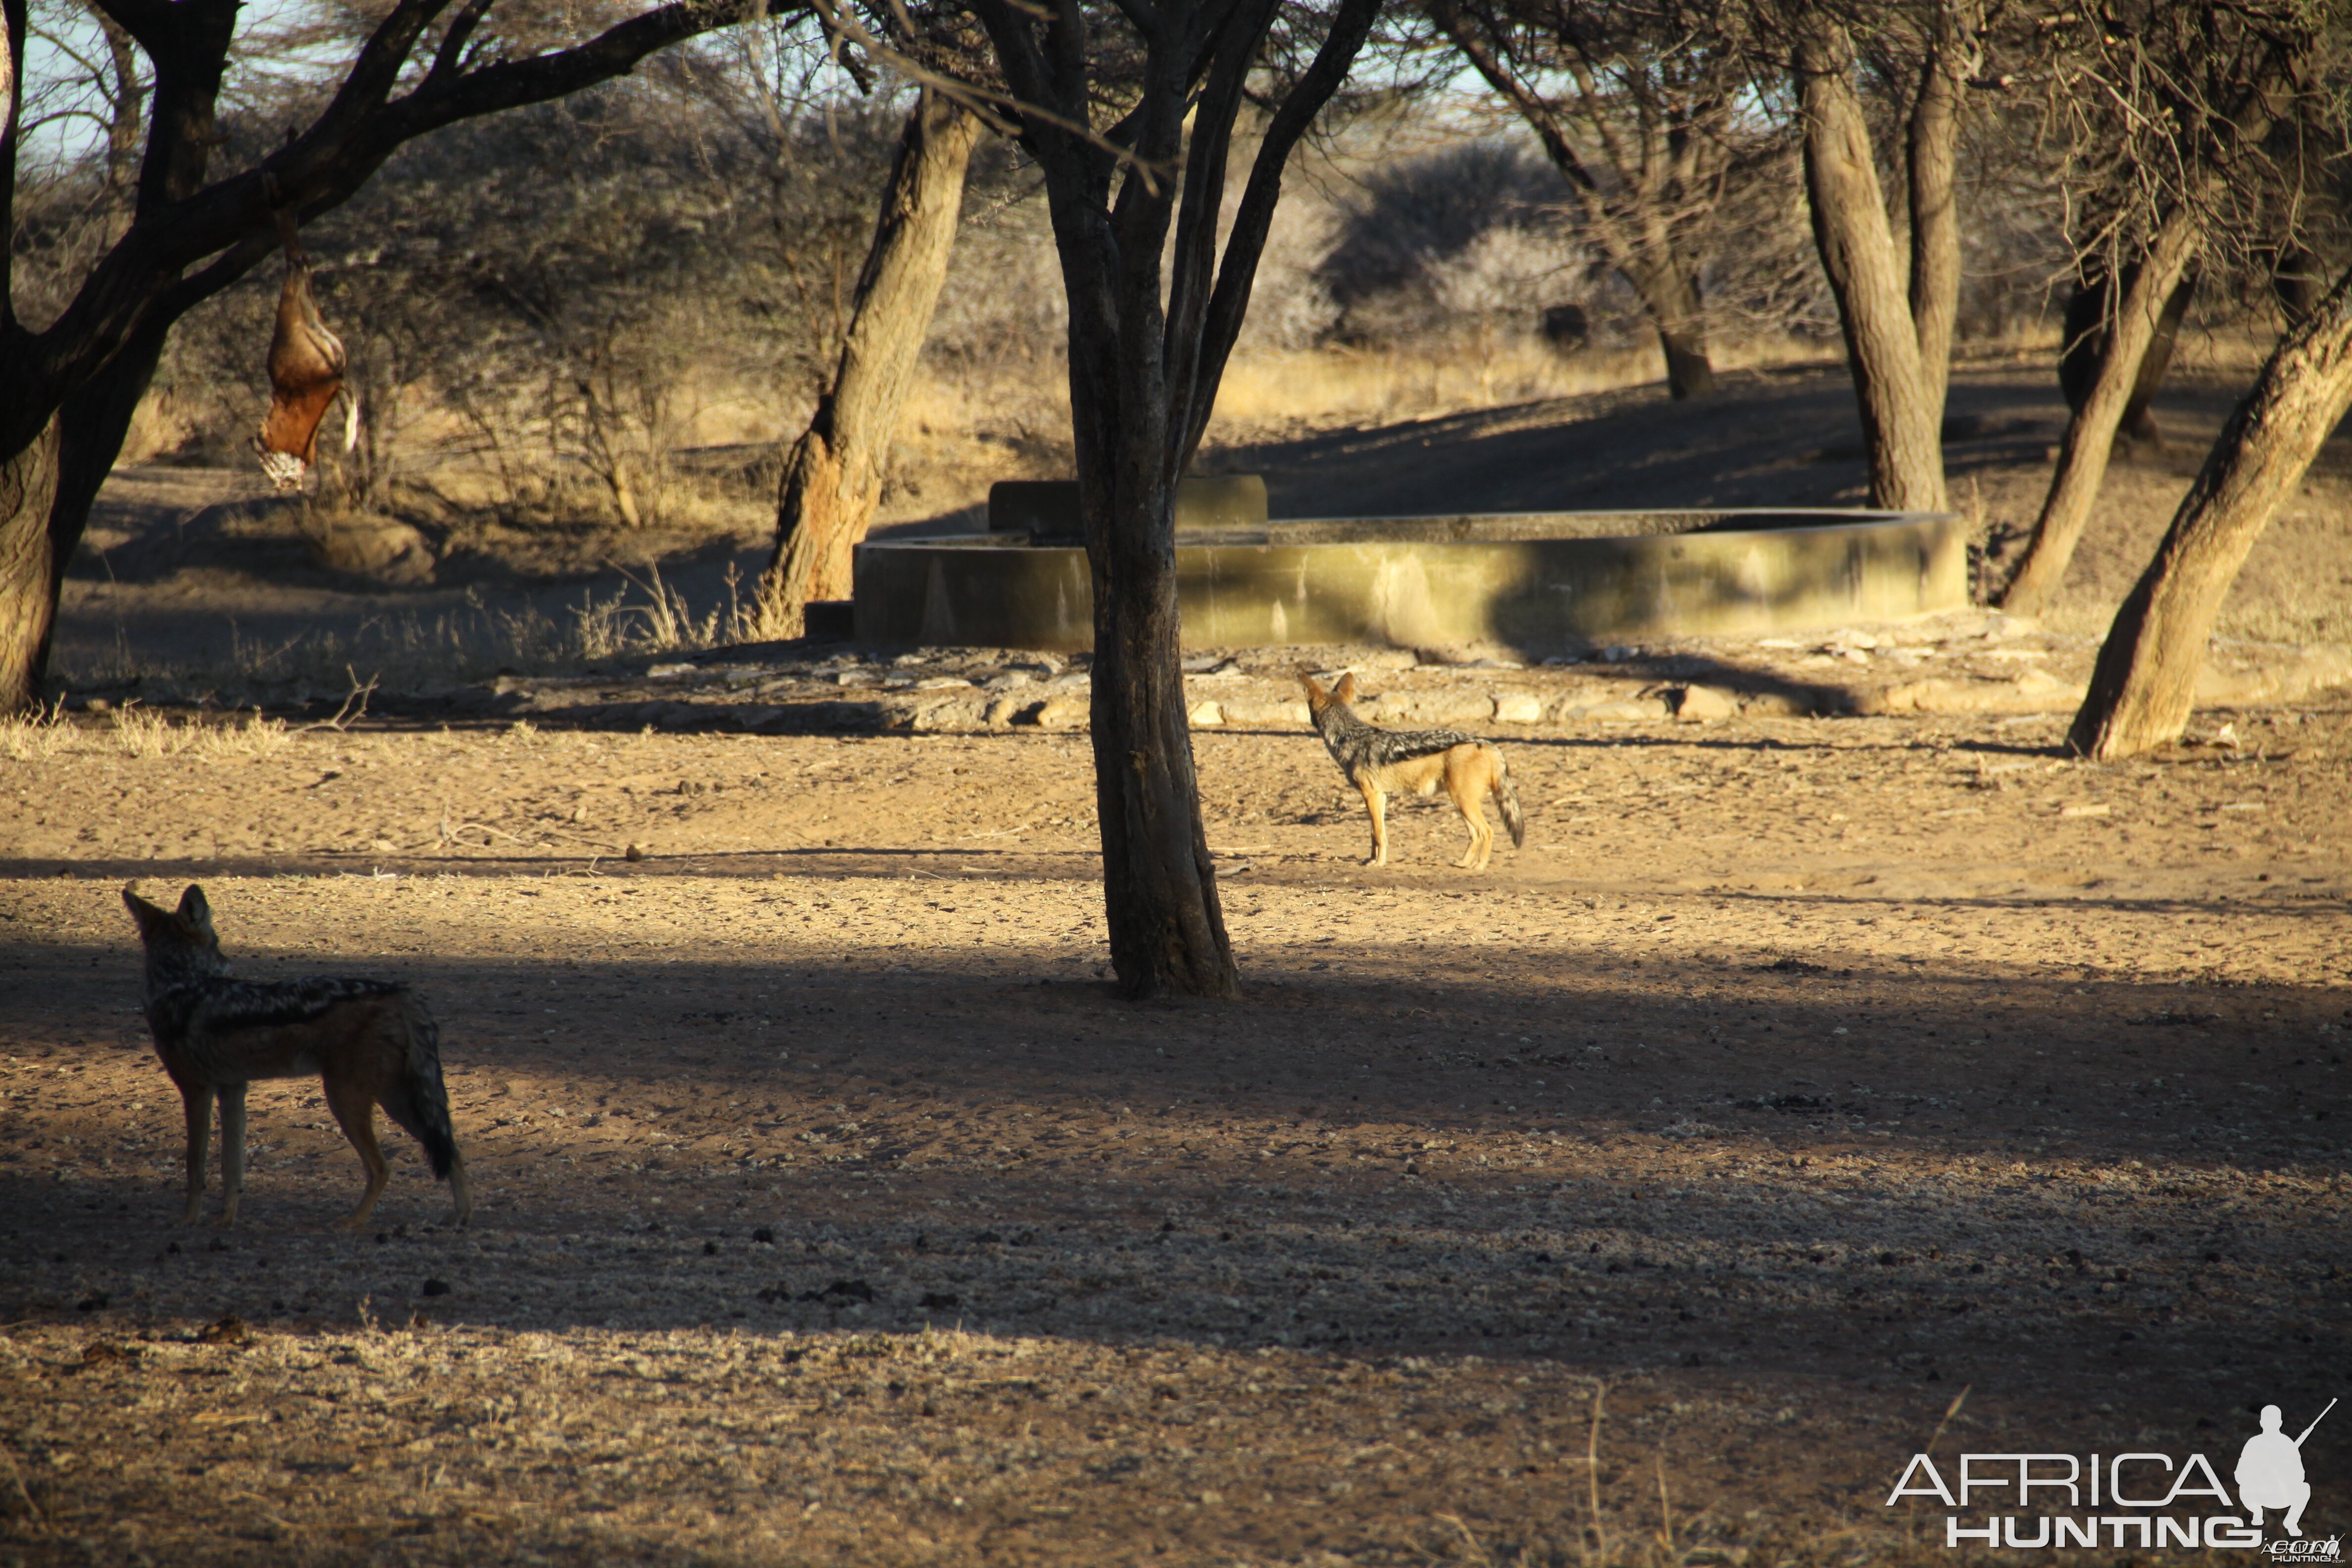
<point x="196" y="1101"/>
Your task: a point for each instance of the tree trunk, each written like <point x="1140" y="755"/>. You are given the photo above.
<point x="1152" y="327"/>
<point x="1689" y="373"/>
<point x="2085" y="341"/>
<point x="29" y="576"/>
<point x="2091" y="433"/>
<point x="1671" y="298"/>
<point x="2145" y="679"/>
<point x="1160" y="887"/>
<point x="833" y="480"/>
<point x="1901" y="402"/>
<point x="1932" y="149"/>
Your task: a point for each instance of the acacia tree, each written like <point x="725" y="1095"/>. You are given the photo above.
<point x="1636" y="105"/>
<point x="832" y="478"/>
<point x="2145" y="677"/>
<point x="67" y="388"/>
<point x="1897" y="320"/>
<point x="1130" y="112"/>
<point x="2167" y="118"/>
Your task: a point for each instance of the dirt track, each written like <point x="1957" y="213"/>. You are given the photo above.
<point x="1796" y="1076"/>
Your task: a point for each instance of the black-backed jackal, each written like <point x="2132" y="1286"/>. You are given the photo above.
<point x="1381" y="762"/>
<point x="371" y="1043"/>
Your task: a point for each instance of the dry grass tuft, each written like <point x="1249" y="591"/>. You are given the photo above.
<point x="141" y="731"/>
<point x="28" y="737"/>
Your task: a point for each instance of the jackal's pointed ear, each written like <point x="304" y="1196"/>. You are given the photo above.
<point x="197" y="912"/>
<point x="145" y="913"/>
<point x="1306" y="678"/>
<point x="1346" y="690"/>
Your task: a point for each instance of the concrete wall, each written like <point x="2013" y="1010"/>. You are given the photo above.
<point x="1046" y="510"/>
<point x="1798" y="572"/>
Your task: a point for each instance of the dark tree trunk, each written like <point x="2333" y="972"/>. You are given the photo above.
<point x="2146" y="678"/>
<point x="2090" y="435"/>
<point x="28" y="570"/>
<point x="2150" y="291"/>
<point x="1689" y="373"/>
<point x="2085" y="341"/>
<point x="91" y="429"/>
<point x="1931" y="154"/>
<point x="1901" y="395"/>
<point x="1670" y="298"/>
<point x="833" y="480"/>
<point x="1160" y="887"/>
<point x="1151" y="326"/>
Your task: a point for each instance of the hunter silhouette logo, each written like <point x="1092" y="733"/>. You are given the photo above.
<point x="2270" y="1471"/>
<point x="2158" y="1502"/>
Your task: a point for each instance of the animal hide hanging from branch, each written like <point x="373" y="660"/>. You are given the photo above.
<point x="306" y="372"/>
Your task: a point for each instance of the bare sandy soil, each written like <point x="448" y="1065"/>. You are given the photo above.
<point x="1649" y="1199"/>
<point x="1796" y="1076"/>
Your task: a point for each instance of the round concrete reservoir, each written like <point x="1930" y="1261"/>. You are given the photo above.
<point x="1537" y="582"/>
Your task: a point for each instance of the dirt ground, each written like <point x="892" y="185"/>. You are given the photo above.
<point x="1808" y="1092"/>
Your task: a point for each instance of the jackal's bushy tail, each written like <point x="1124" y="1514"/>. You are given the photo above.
<point x="425" y="1113"/>
<point x="1506" y="795"/>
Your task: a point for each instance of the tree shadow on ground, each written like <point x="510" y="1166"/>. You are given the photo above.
<point x="1668" y="1161"/>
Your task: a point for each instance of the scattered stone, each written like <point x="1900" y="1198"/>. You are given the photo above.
<point x="1060" y="713"/>
<point x="1206" y="713"/>
<point x="384" y="550"/>
<point x="1621" y="708"/>
<point x="952" y="713"/>
<point x="435" y="1287"/>
<point x="1519" y="708"/>
<point x="1270" y="713"/>
<point x="1425" y="709"/>
<point x="1705" y="704"/>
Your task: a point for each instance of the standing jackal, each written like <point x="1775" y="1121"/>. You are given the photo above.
<point x="1381" y="762"/>
<point x="371" y="1041"/>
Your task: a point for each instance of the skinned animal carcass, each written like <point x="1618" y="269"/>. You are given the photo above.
<point x="306" y="372"/>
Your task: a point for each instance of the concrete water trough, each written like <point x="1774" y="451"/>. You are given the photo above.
<point x="1532" y="583"/>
